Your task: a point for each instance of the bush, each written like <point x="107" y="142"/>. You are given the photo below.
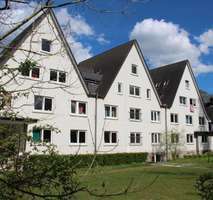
<point x="88" y="159"/>
<point x="204" y="185"/>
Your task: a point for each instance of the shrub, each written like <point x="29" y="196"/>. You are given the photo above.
<point x="204" y="185"/>
<point x="88" y="159"/>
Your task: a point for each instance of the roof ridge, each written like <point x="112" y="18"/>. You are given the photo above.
<point x="104" y="52"/>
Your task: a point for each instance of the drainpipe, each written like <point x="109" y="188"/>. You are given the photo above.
<point x="166" y="131"/>
<point x="96" y="116"/>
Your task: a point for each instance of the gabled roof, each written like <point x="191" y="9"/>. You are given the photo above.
<point x="7" y="53"/>
<point x="167" y="79"/>
<point x="106" y="65"/>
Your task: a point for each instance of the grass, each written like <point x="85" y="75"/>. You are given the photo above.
<point x="172" y="180"/>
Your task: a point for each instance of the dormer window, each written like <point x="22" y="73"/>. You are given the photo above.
<point x="187" y="84"/>
<point x="45" y="45"/>
<point x="134" y="69"/>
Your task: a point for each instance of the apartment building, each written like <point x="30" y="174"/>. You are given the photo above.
<point x="106" y="104"/>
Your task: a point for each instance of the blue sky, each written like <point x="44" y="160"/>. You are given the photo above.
<point x="193" y="16"/>
<point x="167" y="30"/>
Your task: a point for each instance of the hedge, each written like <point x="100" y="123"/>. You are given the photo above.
<point x="88" y="159"/>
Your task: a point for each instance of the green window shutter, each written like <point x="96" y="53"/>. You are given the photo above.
<point x="36" y="135"/>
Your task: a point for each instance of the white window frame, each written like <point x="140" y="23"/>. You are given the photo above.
<point x="48" y="52"/>
<point x="78" y="137"/>
<point x="77" y="113"/>
<point x="181" y="102"/>
<point x="189" y="138"/>
<point x="155" y="116"/>
<point x="120" y="84"/>
<point x="110" y="138"/>
<point x="58" y="71"/>
<point x="155" y="138"/>
<point x="194" y="102"/>
<point x="136" y="66"/>
<point x="187" y="85"/>
<point x="110" y="111"/>
<point x="135" y="143"/>
<point x="175" y="116"/>
<point x="202" y="119"/>
<point x="30" y="74"/>
<point x="134" y="89"/>
<point x="43" y="104"/>
<point x="175" y="138"/>
<point x="134" y="119"/>
<point x="148" y="93"/>
<point x="42" y="135"/>
<point x="204" y="141"/>
<point x="187" y="118"/>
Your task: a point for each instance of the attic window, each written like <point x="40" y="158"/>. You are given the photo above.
<point x="45" y="45"/>
<point x="187" y="84"/>
<point x="134" y="69"/>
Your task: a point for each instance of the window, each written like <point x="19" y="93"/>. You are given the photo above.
<point x="45" y="45"/>
<point x="192" y="102"/>
<point x="33" y="73"/>
<point x="134" y="69"/>
<point x="155" y="138"/>
<point x="77" y="137"/>
<point x="78" y="107"/>
<point x="58" y="76"/>
<point x="182" y="100"/>
<point x="201" y="121"/>
<point x="174" y="118"/>
<point x="120" y="88"/>
<point x="42" y="103"/>
<point x="148" y="94"/>
<point x="110" y="137"/>
<point x="41" y="135"/>
<point x="189" y="138"/>
<point x="204" y="139"/>
<point x="135" y="138"/>
<point x="135" y="113"/>
<point x="174" y="138"/>
<point x="110" y="111"/>
<point x="134" y="90"/>
<point x="189" y="119"/>
<point x="155" y="116"/>
<point x="187" y="84"/>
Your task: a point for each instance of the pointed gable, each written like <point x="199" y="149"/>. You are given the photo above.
<point x="105" y="65"/>
<point x="167" y="79"/>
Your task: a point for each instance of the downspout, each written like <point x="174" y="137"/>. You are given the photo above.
<point x="96" y="116"/>
<point x="166" y="131"/>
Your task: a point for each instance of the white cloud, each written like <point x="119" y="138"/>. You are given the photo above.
<point x="206" y="40"/>
<point x="165" y="42"/>
<point x="102" y="40"/>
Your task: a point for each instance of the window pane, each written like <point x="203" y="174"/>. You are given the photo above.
<point x="73" y="106"/>
<point x="134" y="69"/>
<point x="53" y="75"/>
<point x="137" y="114"/>
<point x="131" y="90"/>
<point x="107" y="137"/>
<point x="38" y="101"/>
<point x="47" y="136"/>
<point x="45" y="45"/>
<point x="132" y="114"/>
<point x="132" y="138"/>
<point x="107" y="111"/>
<point x="62" y="77"/>
<point x="36" y="135"/>
<point x="114" y="137"/>
<point x="119" y="87"/>
<point x="48" y="104"/>
<point x="73" y="136"/>
<point x="35" y="72"/>
<point x="82" y="137"/>
<point x="114" y="112"/>
<point x="138" y="138"/>
<point x="25" y="71"/>
<point x="82" y="108"/>
<point x="148" y="93"/>
<point x="137" y="91"/>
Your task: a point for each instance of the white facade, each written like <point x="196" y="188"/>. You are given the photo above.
<point x="61" y="118"/>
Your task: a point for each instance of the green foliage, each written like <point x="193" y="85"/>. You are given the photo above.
<point x="26" y="66"/>
<point x="99" y="159"/>
<point x="204" y="185"/>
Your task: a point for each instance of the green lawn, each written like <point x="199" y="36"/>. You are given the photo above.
<point x="174" y="180"/>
